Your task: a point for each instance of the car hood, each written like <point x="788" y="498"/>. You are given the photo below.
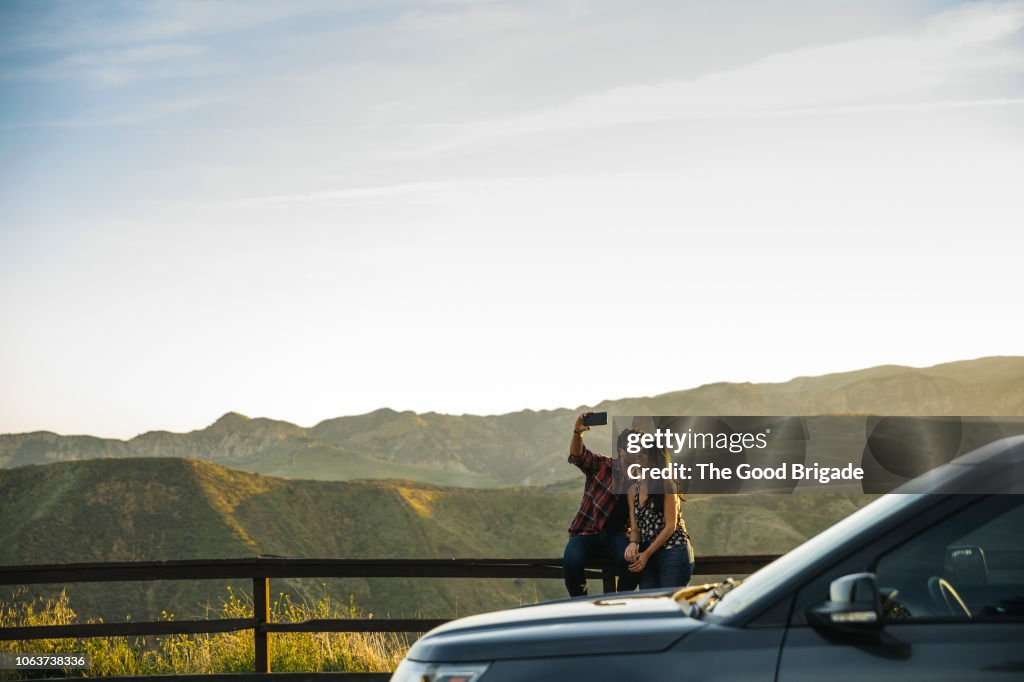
<point x="574" y="627"/>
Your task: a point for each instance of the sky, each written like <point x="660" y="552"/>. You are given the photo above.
<point x="302" y="210"/>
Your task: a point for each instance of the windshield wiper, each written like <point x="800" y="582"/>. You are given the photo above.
<point x="704" y="597"/>
<point x="723" y="589"/>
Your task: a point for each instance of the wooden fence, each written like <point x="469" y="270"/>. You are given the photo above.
<point x="261" y="569"/>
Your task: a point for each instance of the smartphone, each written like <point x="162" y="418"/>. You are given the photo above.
<point x="596" y="419"/>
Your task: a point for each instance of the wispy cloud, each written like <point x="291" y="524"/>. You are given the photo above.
<point x="926" y="68"/>
<point x="418" y="192"/>
<point x="120" y="66"/>
<point x="134" y="55"/>
<point x="74" y="26"/>
<point x="110" y="118"/>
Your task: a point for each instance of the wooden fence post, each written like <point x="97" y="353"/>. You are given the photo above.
<point x="261" y="610"/>
<point x="608" y="579"/>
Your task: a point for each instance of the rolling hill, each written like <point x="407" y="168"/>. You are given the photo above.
<point x="176" y="508"/>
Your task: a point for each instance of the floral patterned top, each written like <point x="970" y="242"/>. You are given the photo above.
<point x="650" y="521"/>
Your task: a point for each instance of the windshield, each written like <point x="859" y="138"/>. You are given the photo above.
<point x="788" y="565"/>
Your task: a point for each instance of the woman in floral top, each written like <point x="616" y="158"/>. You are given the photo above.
<point x="660" y="548"/>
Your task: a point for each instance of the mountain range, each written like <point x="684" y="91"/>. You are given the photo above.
<point x="528" y="447"/>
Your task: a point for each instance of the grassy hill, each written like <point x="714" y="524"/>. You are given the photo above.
<point x="528" y="447"/>
<point x="175" y="508"/>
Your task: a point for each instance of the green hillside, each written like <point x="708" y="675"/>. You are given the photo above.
<point x="174" y="508"/>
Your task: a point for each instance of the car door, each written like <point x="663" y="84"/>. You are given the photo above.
<point x="952" y="605"/>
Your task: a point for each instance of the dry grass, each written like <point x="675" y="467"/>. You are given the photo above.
<point x="214" y="653"/>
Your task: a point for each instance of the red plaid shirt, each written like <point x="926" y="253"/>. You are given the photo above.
<point x="598" y="503"/>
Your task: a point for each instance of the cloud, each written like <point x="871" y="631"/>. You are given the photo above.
<point x="978" y="22"/>
<point x="108" y="118"/>
<point x="427" y="191"/>
<point x="134" y="55"/>
<point x="75" y="26"/>
<point x="959" y="57"/>
<point x="121" y="65"/>
<point x="466" y="20"/>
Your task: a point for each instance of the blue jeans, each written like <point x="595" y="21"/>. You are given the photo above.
<point x="668" y="567"/>
<point x="584" y="549"/>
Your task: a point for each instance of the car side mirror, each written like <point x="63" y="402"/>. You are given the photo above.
<point x="854" y="605"/>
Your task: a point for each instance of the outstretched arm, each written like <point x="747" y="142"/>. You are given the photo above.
<point x="576" y="444"/>
<point x="578" y="454"/>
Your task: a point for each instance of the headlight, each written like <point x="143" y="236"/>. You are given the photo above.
<point x="414" y="671"/>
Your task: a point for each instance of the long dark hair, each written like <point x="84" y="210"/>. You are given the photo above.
<point x="658" y="457"/>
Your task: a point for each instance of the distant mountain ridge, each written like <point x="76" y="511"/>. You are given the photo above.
<point x="528" y="447"/>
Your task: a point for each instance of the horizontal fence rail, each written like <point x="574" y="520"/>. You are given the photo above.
<point x="261" y="569"/>
<point x="284" y="567"/>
